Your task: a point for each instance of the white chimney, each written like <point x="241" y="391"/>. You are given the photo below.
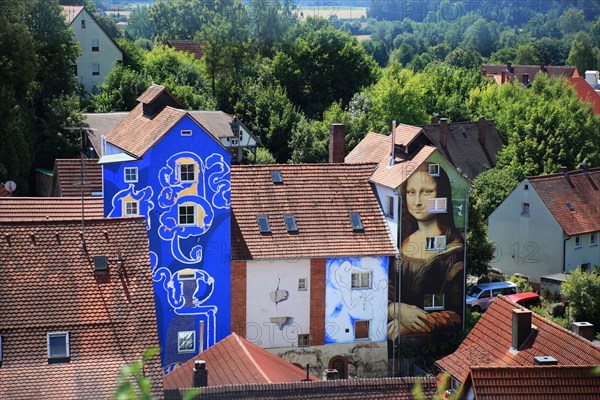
<point x="591" y="77"/>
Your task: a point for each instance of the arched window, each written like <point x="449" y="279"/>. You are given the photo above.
<point x="341" y="364"/>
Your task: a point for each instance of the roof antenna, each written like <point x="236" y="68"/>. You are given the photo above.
<point x="393" y="143"/>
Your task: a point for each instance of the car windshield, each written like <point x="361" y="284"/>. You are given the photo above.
<point x="473" y="291"/>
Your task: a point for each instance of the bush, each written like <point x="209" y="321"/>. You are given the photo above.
<point x="582" y="290"/>
<point x="522" y="282"/>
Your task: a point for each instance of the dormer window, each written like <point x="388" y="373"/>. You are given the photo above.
<point x="263" y="224"/>
<point x="276" y="176"/>
<point x="356" y="222"/>
<point x="58" y="345"/>
<point x="434" y="169"/>
<point x="290" y="223"/>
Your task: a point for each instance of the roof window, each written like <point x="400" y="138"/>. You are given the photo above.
<point x="570" y="206"/>
<point x="356" y="222"/>
<point x="263" y="224"/>
<point x="276" y="175"/>
<point x="100" y="264"/>
<point x="290" y="222"/>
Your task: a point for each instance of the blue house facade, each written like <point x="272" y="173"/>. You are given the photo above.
<point x="159" y="162"/>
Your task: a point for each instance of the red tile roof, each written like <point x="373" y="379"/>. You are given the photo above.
<point x="47" y="285"/>
<point x="71" y="12"/>
<point x="188" y="46"/>
<point x="340" y="389"/>
<point x="585" y="92"/>
<point x="25" y="209"/>
<point x="556" y="191"/>
<point x="235" y="361"/>
<point x="405" y="134"/>
<point x="518" y="71"/>
<point x="394" y="176"/>
<point x="67" y="180"/>
<point x="321" y="196"/>
<point x="372" y="149"/>
<point x="489" y="344"/>
<point x="542" y="383"/>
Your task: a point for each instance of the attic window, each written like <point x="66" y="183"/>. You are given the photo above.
<point x="276" y="175"/>
<point x="83" y="24"/>
<point x="290" y="222"/>
<point x="526" y="187"/>
<point x="58" y="345"/>
<point x="356" y="222"/>
<point x="100" y="264"/>
<point x="434" y="169"/>
<point x="263" y="224"/>
<point x="186" y="132"/>
<point x="570" y="206"/>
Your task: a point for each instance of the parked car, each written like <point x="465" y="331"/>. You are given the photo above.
<point x="480" y="296"/>
<point x="526" y="299"/>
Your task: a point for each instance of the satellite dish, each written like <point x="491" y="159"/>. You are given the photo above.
<point x="10" y="186"/>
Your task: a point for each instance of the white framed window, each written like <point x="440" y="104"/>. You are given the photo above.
<point x="593" y="241"/>
<point x="525" y="209"/>
<point x="95" y="45"/>
<point x="186" y="341"/>
<point x="131" y="208"/>
<point x="83" y="24"/>
<point x="435" y="243"/>
<point x="95" y="69"/>
<point x="186" y="132"/>
<point x="361" y="329"/>
<point x="303" y="340"/>
<point x="302" y="284"/>
<point x="361" y="280"/>
<point x="433" y="302"/>
<point x="577" y="241"/>
<point x="434" y="169"/>
<point x="58" y="345"/>
<point x="131" y="174"/>
<point x="356" y="222"/>
<point x="187" y="215"/>
<point x="389" y="209"/>
<point x="187" y="172"/>
<point x="437" y="205"/>
<point x="290" y="222"/>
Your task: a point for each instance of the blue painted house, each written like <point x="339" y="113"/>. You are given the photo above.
<point x="160" y="162"/>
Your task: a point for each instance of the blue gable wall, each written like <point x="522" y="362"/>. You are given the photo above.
<point x="191" y="263"/>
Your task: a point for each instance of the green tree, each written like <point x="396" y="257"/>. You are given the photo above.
<point x="120" y="89"/>
<point x="503" y="56"/>
<point x="480" y="37"/>
<point x="551" y="51"/>
<point x="480" y="250"/>
<point x="133" y="54"/>
<point x="582" y="54"/>
<point x="139" y="24"/>
<point x="571" y="21"/>
<point x="463" y="58"/>
<point x="526" y="55"/>
<point x="582" y="289"/>
<point x="270" y="21"/>
<point x="490" y="188"/>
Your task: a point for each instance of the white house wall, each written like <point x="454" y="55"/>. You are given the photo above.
<point x="531" y="245"/>
<point x="383" y="193"/>
<point x="585" y="253"/>
<point x="272" y="292"/>
<point x="106" y="56"/>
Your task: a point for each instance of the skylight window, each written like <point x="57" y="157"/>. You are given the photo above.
<point x="356" y="222"/>
<point x="276" y="175"/>
<point x="570" y="206"/>
<point x="290" y="222"/>
<point x="58" y="345"/>
<point x="263" y="224"/>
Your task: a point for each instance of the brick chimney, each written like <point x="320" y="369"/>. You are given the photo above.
<point x="337" y="145"/>
<point x="481" y="126"/>
<point x="503" y="77"/>
<point x="444" y="128"/>
<point x="525" y="79"/>
<point x="483" y="71"/>
<point x="583" y="329"/>
<point x="521" y="327"/>
<point x="331" y="374"/>
<point x="200" y="374"/>
<point x="509" y="68"/>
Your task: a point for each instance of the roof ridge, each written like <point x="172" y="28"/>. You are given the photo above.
<point x="254" y="363"/>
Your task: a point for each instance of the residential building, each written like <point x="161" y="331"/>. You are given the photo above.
<point x="310" y="259"/>
<point x="187" y="46"/>
<point x="509" y="335"/>
<point x="539" y="382"/>
<point x="232" y="361"/>
<point x="525" y="74"/>
<point x="586" y="91"/>
<point x="424" y="199"/>
<point x="74" y="177"/>
<point x="99" y="53"/>
<point x="160" y="163"/>
<point x="549" y="224"/>
<point x="74" y="306"/>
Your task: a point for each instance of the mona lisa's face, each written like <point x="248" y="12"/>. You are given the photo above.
<point x="419" y="188"/>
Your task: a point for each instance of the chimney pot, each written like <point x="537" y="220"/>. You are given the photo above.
<point x="337" y="145"/>
<point x="544" y="360"/>
<point x="481" y="125"/>
<point x="200" y="374"/>
<point x="444" y="128"/>
<point x="503" y="77"/>
<point x="331" y="374"/>
<point x="521" y="327"/>
<point x="583" y="329"/>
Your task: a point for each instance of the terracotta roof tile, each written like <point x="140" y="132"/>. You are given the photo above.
<point x="372" y="149"/>
<point x="151" y="94"/>
<point x="71" y="12"/>
<point x="394" y="176"/>
<point x="235" y="361"/>
<point x="565" y="71"/>
<point x="47" y="284"/>
<point x="556" y="191"/>
<point x="215" y="122"/>
<point x="340" y="389"/>
<point x="541" y="382"/>
<point x="321" y="196"/>
<point x="489" y="343"/>
<point x="189" y="46"/>
<point x="68" y="176"/>
<point x="585" y="92"/>
<point x="405" y="134"/>
<point x="24" y="209"/>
